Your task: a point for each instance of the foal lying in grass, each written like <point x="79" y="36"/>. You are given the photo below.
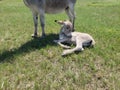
<point x="66" y="35"/>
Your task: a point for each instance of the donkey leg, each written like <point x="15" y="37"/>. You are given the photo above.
<point x="77" y="48"/>
<point x="42" y="21"/>
<point x="68" y="14"/>
<point x="35" y="19"/>
<point x="71" y="8"/>
<point x="59" y="42"/>
<point x="64" y="46"/>
<point x="71" y="14"/>
<point x="70" y="51"/>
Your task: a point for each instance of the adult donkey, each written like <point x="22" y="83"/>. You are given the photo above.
<point x="40" y="7"/>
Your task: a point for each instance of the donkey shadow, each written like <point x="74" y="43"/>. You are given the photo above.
<point x="29" y="46"/>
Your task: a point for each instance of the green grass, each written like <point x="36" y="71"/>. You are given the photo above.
<point x="36" y="64"/>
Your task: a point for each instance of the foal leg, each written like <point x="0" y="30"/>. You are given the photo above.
<point x="59" y="42"/>
<point x="64" y="46"/>
<point x="77" y="48"/>
<point x="70" y="51"/>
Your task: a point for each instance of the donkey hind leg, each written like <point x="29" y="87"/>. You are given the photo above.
<point x="71" y="14"/>
<point x="35" y="19"/>
<point x="42" y="21"/>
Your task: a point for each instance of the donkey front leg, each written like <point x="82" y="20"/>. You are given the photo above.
<point x="42" y="21"/>
<point x="35" y="19"/>
<point x="71" y="14"/>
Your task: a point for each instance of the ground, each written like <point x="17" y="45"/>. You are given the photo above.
<point x="36" y="64"/>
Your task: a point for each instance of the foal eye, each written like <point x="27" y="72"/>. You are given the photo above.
<point x="67" y="27"/>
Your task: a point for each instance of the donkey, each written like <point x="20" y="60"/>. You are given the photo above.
<point x="66" y="35"/>
<point x="40" y="7"/>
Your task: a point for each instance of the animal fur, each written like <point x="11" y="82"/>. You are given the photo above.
<point x="66" y="35"/>
<point x="40" y="7"/>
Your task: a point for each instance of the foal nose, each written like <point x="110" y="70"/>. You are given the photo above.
<point x="56" y="20"/>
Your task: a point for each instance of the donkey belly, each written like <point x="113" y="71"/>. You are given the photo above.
<point x="49" y="6"/>
<point x="53" y="10"/>
<point x="55" y="6"/>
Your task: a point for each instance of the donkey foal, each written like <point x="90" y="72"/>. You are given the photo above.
<point x="66" y="35"/>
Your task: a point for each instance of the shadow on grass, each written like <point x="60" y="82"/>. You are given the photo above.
<point x="31" y="45"/>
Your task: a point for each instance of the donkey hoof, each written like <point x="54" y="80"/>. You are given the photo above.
<point x="43" y="36"/>
<point x="34" y="35"/>
<point x="73" y="29"/>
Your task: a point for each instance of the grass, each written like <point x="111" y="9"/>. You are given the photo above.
<point x="34" y="64"/>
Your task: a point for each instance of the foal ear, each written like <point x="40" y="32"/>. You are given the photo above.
<point x="59" y="22"/>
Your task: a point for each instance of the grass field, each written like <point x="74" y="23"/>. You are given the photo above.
<point x="36" y="64"/>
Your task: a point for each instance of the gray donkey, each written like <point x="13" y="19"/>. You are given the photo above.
<point x="40" y="7"/>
